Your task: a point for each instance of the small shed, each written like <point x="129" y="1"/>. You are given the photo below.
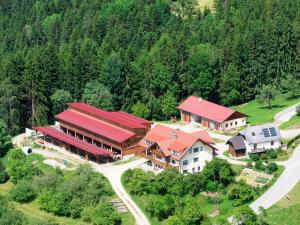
<point x="27" y="150"/>
<point x="237" y="146"/>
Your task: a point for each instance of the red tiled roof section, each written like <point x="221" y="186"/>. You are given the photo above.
<point x="72" y="140"/>
<point x="206" y="109"/>
<point x="169" y="139"/>
<point x="95" y="126"/>
<point x="111" y="116"/>
<point x="131" y="117"/>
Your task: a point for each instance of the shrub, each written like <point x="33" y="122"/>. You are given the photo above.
<point x="264" y="156"/>
<point x="240" y="193"/>
<point x="211" y="186"/>
<point x="259" y="165"/>
<point x="160" y="206"/>
<point x="272" y="154"/>
<point x="215" y="200"/>
<point x="105" y="214"/>
<point x="254" y="157"/>
<point x="22" y="192"/>
<point x="272" y="167"/>
<point x="3" y="175"/>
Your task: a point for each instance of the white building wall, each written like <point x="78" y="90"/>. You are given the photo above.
<point x="232" y="124"/>
<point x="206" y="154"/>
<point x="266" y="145"/>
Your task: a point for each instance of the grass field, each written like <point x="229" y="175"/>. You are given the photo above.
<point x="287" y="210"/>
<point x="259" y="113"/>
<point x="293" y="123"/>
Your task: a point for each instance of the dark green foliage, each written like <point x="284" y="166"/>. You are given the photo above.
<point x="272" y="167"/>
<point x="160" y="207"/>
<point x="4" y="138"/>
<point x="3" y="174"/>
<point x="20" y="167"/>
<point x="259" y="165"/>
<point x="60" y="100"/>
<point x="102" y="214"/>
<point x="69" y="197"/>
<point x="240" y="193"/>
<point x="219" y="171"/>
<point x="254" y="157"/>
<point x="272" y="154"/>
<point x="9" y="215"/>
<point x="142" y="50"/>
<point x="22" y="191"/>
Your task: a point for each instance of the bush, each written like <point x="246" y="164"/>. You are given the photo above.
<point x="3" y="175"/>
<point x="160" y="206"/>
<point x="22" y="192"/>
<point x="272" y="167"/>
<point x="259" y="166"/>
<point x="211" y="186"/>
<point x="272" y="154"/>
<point x="240" y="193"/>
<point x="254" y="157"/>
<point x="105" y="214"/>
<point x="215" y="200"/>
<point x="264" y="156"/>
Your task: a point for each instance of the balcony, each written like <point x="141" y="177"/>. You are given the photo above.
<point x="154" y="160"/>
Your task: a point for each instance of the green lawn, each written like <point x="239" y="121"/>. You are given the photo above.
<point x="286" y="209"/>
<point x="259" y="113"/>
<point x="293" y="123"/>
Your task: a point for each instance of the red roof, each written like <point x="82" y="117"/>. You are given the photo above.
<point x="169" y="139"/>
<point x="111" y="116"/>
<point x="72" y="140"/>
<point x="95" y="126"/>
<point x="207" y="109"/>
<point x="131" y="117"/>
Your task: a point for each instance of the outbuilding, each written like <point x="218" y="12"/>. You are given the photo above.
<point x="211" y="115"/>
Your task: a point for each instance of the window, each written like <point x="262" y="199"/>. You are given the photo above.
<point x="184" y="171"/>
<point x="196" y="150"/>
<point x="235" y="122"/>
<point x="191" y="151"/>
<point x="158" y="157"/>
<point x="226" y="125"/>
<point x="201" y="148"/>
<point x="198" y="168"/>
<point x="196" y="159"/>
<point x="193" y="169"/>
<point x="147" y="142"/>
<point x="253" y="134"/>
<point x="230" y="124"/>
<point x="272" y="143"/>
<point x="185" y="162"/>
<point x="173" y="161"/>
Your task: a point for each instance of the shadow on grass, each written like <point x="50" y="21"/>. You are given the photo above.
<point x="289" y="98"/>
<point x="273" y="107"/>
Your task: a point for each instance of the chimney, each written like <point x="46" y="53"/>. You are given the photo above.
<point x="200" y="99"/>
<point x="174" y="134"/>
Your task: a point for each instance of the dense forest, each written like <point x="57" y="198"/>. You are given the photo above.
<point x="140" y="55"/>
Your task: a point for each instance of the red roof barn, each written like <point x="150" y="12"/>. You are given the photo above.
<point x="210" y="115"/>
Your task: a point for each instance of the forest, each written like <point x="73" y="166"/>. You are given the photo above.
<point x="142" y="56"/>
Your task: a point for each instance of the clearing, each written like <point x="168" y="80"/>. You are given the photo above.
<point x="206" y="3"/>
<point x="259" y="113"/>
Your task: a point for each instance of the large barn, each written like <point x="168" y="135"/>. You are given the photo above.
<point x="96" y="134"/>
<point x="210" y="115"/>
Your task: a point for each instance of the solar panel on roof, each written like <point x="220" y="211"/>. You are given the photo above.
<point x="266" y="132"/>
<point x="272" y="131"/>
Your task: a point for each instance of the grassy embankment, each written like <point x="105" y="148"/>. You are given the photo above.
<point x="286" y="209"/>
<point x="293" y="123"/>
<point x="259" y="113"/>
<point x="35" y="215"/>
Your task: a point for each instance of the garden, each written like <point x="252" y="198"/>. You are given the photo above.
<point x="41" y="194"/>
<point x="207" y="197"/>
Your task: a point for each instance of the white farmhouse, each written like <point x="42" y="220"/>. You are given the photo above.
<point x="167" y="147"/>
<point x="255" y="139"/>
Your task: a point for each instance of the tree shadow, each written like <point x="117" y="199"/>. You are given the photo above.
<point x="273" y="106"/>
<point x="289" y="98"/>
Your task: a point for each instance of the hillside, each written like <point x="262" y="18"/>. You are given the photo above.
<point x="144" y="56"/>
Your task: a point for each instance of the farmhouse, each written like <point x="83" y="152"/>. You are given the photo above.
<point x="166" y="147"/>
<point x="96" y="134"/>
<point x="210" y="115"/>
<point x="255" y="139"/>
